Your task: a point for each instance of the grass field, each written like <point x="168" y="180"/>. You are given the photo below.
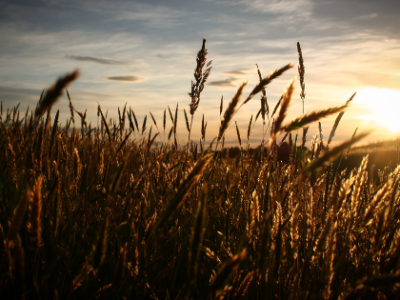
<point x="89" y="213"/>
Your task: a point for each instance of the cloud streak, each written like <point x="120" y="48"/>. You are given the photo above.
<point x="127" y="78"/>
<point x="233" y="78"/>
<point x="239" y="71"/>
<point x="229" y="82"/>
<point x="99" y="60"/>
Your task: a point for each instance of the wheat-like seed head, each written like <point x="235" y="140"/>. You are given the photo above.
<point x="54" y="92"/>
<point x="230" y="110"/>
<point x="267" y="80"/>
<point x="311" y="117"/>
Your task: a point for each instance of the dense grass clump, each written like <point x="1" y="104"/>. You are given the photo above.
<point x="89" y="213"/>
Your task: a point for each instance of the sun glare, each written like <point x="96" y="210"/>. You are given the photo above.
<point x="381" y="107"/>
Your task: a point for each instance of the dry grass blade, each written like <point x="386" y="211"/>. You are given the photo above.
<point x="144" y="124"/>
<point x="203" y="129"/>
<point x="264" y="103"/>
<point x="294" y="230"/>
<point x="124" y="141"/>
<point x="287" y="96"/>
<point x="176" y="119"/>
<point x="54" y="130"/>
<point x="105" y="123"/>
<point x="227" y="270"/>
<point x="47" y="123"/>
<point x="238" y="135"/>
<point x="18" y="214"/>
<point x="54" y="92"/>
<point x="373" y="283"/>
<point x="276" y="106"/>
<point x="354" y="134"/>
<point x="380" y="281"/>
<point x="249" y="127"/>
<point x="267" y="80"/>
<point x="337" y="121"/>
<point x="333" y="153"/>
<point x="359" y="181"/>
<point x="100" y="249"/>
<point x="34" y="226"/>
<point x="186" y="120"/>
<point x="118" y="175"/>
<point x="82" y="275"/>
<point x="311" y="117"/>
<point x="71" y="107"/>
<point x="197" y="235"/>
<point x="165" y="119"/>
<point x="334" y="127"/>
<point x="152" y="141"/>
<point x="220" y="106"/>
<point x="278" y="249"/>
<point x="171" y="131"/>
<point x="241" y="292"/>
<point x="304" y="138"/>
<point x="135" y="119"/>
<point x="185" y="187"/>
<point x="131" y="122"/>
<point x="319" y="244"/>
<point x="122" y="125"/>
<point x="154" y="120"/>
<point x="170" y="114"/>
<point x="266" y="235"/>
<point x="379" y="196"/>
<point x="230" y="110"/>
<point x="257" y="115"/>
<point x="83" y="121"/>
<point x="77" y="164"/>
<point x="276" y="125"/>
<point x="149" y="134"/>
<point x="19" y="269"/>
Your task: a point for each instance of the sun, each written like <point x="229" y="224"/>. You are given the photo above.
<point x="381" y="107"/>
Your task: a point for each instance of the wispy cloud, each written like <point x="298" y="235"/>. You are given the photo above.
<point x="234" y="78"/>
<point x="162" y="56"/>
<point x="127" y="78"/>
<point x="99" y="60"/>
<point x="239" y="71"/>
<point x="229" y="82"/>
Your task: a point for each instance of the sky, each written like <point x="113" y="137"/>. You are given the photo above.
<point x="143" y="53"/>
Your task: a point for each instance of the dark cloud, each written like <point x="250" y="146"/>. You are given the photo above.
<point x="162" y="56"/>
<point x="237" y="72"/>
<point x="99" y="60"/>
<point x="229" y="82"/>
<point x="127" y="78"/>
